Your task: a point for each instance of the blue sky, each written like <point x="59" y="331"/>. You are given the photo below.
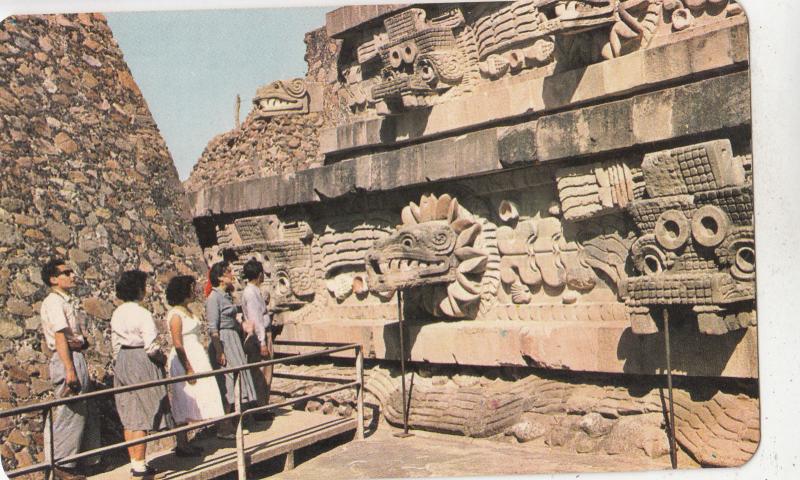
<point x="190" y="65"/>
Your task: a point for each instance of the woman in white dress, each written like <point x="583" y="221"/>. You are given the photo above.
<point x="199" y="399"/>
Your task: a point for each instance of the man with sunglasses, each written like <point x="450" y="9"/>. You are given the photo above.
<point x="74" y="430"/>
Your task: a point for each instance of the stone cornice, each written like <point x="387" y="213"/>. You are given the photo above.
<point x="339" y="21"/>
<point x="695" y="109"/>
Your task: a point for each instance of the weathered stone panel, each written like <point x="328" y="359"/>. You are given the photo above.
<point x="546" y="183"/>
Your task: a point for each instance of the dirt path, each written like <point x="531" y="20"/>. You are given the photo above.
<point x="435" y="455"/>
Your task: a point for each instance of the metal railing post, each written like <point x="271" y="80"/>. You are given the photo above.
<point x="50" y="443"/>
<point x="241" y="467"/>
<point x="673" y="451"/>
<point x="360" y="392"/>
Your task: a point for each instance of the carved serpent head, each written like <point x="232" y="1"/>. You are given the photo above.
<point x="437" y="248"/>
<point x="282" y="98"/>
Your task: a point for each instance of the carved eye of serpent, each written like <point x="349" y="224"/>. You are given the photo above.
<point x="426" y="71"/>
<point x="283" y="283"/>
<point x="408" y="241"/>
<point x="387" y="74"/>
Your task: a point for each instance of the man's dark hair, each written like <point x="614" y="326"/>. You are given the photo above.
<point x="179" y="289"/>
<point x="217" y="270"/>
<point x="252" y="269"/>
<point x="131" y="285"/>
<point x="50" y="269"/>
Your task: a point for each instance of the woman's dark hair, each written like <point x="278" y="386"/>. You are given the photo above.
<point x="50" y="269"/>
<point x="252" y="269"/>
<point x="131" y="285"/>
<point x="217" y="270"/>
<point x="179" y="289"/>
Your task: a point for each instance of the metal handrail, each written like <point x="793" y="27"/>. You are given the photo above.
<point x="315" y="378"/>
<point x="239" y="413"/>
<point x="302" y="343"/>
<point x="167" y="381"/>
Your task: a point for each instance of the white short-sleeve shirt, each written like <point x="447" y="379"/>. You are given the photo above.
<point x="132" y="326"/>
<point x="254" y="310"/>
<point x="58" y="313"/>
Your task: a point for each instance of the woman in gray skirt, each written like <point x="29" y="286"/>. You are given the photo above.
<point x="226" y="338"/>
<point x="138" y="359"/>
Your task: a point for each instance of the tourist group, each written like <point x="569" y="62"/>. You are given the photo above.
<point x="139" y="357"/>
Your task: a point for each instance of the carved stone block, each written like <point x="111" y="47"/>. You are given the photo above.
<point x="344" y="247"/>
<point x="736" y="201"/>
<point x="696" y="246"/>
<point x="695" y="168"/>
<point x="421" y="58"/>
<point x="252" y="230"/>
<point x="517" y="145"/>
<point x="642" y="322"/>
<point x="291" y="261"/>
<point x="646" y="212"/>
<point x="439" y="250"/>
<point x="287" y="97"/>
<point x="597" y="189"/>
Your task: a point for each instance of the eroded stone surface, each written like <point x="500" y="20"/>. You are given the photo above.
<point x="582" y="415"/>
<point x="722" y="102"/>
<point x="546" y="340"/>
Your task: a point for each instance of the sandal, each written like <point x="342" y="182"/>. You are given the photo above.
<point x="226" y="436"/>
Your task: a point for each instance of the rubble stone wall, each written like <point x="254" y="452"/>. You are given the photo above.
<point x="258" y="148"/>
<point x="85" y="175"/>
<point x="278" y="145"/>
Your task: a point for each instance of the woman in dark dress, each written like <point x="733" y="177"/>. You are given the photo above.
<point x="226" y="337"/>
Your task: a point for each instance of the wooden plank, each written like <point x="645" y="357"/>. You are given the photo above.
<point x="289" y="431"/>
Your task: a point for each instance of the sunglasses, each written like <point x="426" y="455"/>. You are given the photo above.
<point x="66" y="271"/>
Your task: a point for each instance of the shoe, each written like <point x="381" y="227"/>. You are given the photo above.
<point x="61" y="473"/>
<point x="188" y="451"/>
<point x="226" y="436"/>
<point x="148" y="472"/>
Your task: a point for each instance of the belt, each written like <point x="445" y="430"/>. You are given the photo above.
<point x="129" y="347"/>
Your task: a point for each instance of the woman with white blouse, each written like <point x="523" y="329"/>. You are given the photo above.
<point x="199" y="399"/>
<point x="138" y="359"/>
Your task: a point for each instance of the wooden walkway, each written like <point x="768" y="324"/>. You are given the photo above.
<point x="290" y="430"/>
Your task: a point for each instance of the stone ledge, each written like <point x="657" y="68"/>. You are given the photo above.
<point x="608" y="347"/>
<point x="702" y="52"/>
<point x="698" y="108"/>
<point x="342" y="19"/>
